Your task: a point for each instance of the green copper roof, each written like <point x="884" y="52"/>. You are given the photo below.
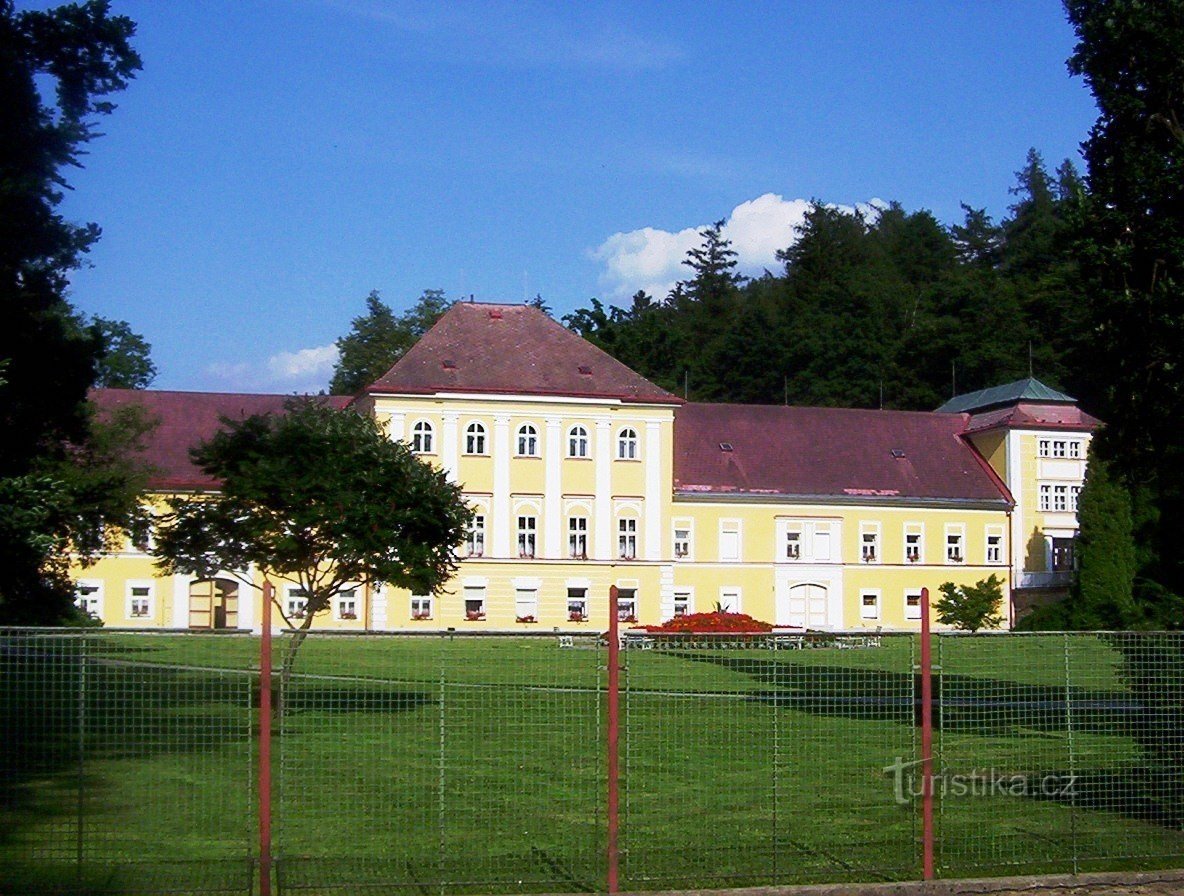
<point x="1021" y="390"/>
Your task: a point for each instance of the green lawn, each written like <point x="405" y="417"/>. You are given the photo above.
<point x="477" y="764"/>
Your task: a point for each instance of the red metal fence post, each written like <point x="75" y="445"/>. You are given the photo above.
<point x="614" y="731"/>
<point x="926" y="740"/>
<point x="265" y="742"/>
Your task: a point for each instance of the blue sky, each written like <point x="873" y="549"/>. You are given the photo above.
<point x="278" y="159"/>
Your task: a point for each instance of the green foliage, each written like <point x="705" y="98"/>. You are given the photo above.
<point x="126" y="359"/>
<point x="971" y="607"/>
<point x="1132" y="251"/>
<point x="54" y="490"/>
<point x="379" y="338"/>
<point x="318" y="497"/>
<point x="1103" y="596"/>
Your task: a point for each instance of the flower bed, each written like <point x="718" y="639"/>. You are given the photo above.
<point x="728" y="623"/>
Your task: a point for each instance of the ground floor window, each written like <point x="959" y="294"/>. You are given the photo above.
<point x="626" y="604"/>
<point x="421" y="606"/>
<point x="474" y="602"/>
<point x="577" y="604"/>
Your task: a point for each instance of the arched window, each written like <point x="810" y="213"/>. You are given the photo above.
<point x="475" y="439"/>
<point x="577" y="442"/>
<point x="421" y="437"/>
<point x="627" y="444"/>
<point x="528" y="440"/>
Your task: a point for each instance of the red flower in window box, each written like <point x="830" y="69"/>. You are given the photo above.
<point x="474" y="615"/>
<point x="424" y="615"/>
<point x="349" y="615"/>
<point x="525" y="619"/>
<point x="577" y="617"/>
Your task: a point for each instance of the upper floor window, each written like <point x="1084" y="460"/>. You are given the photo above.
<point x="577" y="442"/>
<point x="1074" y="496"/>
<point x="729" y="540"/>
<point x="475" y="439"/>
<point x="476" y="537"/>
<point x="421" y="437"/>
<point x="627" y="538"/>
<point x="1075" y="448"/>
<point x="682" y="541"/>
<point x="1044" y="448"/>
<point x="912" y="543"/>
<point x="793" y="544"/>
<point x="869" y="543"/>
<point x="994" y="544"/>
<point x="1059" y="448"/>
<point x="528" y="440"/>
<point x="955" y="546"/>
<point x="527" y="528"/>
<point x="627" y="444"/>
<point x="577" y="537"/>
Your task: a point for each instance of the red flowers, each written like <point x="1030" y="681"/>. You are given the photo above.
<point x="734" y="623"/>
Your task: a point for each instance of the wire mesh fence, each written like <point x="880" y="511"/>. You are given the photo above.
<point x="464" y="764"/>
<point x="125" y="762"/>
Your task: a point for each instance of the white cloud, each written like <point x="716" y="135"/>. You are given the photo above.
<point x="652" y="259"/>
<point x="304" y="370"/>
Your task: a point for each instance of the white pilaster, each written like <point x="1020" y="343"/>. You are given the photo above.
<point x="250" y="600"/>
<point x="654" y="524"/>
<point x="450" y="445"/>
<point x="603" y="542"/>
<point x="180" y="601"/>
<point x="378" y="608"/>
<point x="500" y="522"/>
<point x="552" y="490"/>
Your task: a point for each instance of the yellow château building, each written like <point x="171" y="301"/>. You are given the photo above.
<point x="583" y="474"/>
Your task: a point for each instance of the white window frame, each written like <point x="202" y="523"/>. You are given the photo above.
<point x="731" y="527"/>
<point x="527" y="441"/>
<point x="149" y="598"/>
<point x="873" y="611"/>
<point x="731" y="598"/>
<point x="475" y="439"/>
<point x="475" y="537"/>
<point x="684" y="599"/>
<point x="1060" y="497"/>
<point x="869" y="543"/>
<point x="912" y="613"/>
<point x="295" y="601"/>
<point x="957" y="531"/>
<point x="578" y="445"/>
<point x="528" y="536"/>
<point x="1074" y="497"/>
<point x="1059" y="448"/>
<point x="1075" y="449"/>
<point x="1044" y="448"/>
<point x="1045" y="504"/>
<point x="351" y="594"/>
<point x="577" y="594"/>
<point x="626" y="606"/>
<point x="997" y="548"/>
<point x="627" y="538"/>
<point x="476" y="595"/>
<point x="628" y="445"/>
<point x="683" y="548"/>
<point x="577" y="537"/>
<point x="91" y="602"/>
<point x="917" y="529"/>
<point x="791" y="543"/>
<point x="423" y="437"/>
<point x="526" y="603"/>
<point x="421" y="607"/>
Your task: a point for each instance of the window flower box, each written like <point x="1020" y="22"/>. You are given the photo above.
<point x="577" y="617"/>
<point x="421" y="615"/>
<point x="525" y="619"/>
<point x="474" y="615"/>
<point x="349" y="615"/>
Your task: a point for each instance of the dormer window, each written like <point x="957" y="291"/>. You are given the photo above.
<point x="725" y="446"/>
<point x="584" y="370"/>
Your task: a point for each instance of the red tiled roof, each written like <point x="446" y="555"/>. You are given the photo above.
<point x="185" y="419"/>
<point x="1028" y="415"/>
<point x="512" y="350"/>
<point x="828" y="452"/>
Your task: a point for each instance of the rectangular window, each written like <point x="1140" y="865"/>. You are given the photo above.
<point x="1060" y="498"/>
<point x="729" y="540"/>
<point x="793" y="545"/>
<point x="682" y="542"/>
<point x="346" y="604"/>
<point x="527" y="526"/>
<point x="1074" y="495"/>
<point x="577" y="537"/>
<point x="912" y="605"/>
<point x="627" y="538"/>
<point x="626" y="604"/>
<point x="1046" y="497"/>
<point x="139" y="600"/>
<point x="994" y="544"/>
<point x="421" y="606"/>
<point x="295" y="602"/>
<point x="526" y="604"/>
<point x="474" y="602"/>
<point x="869" y="605"/>
<point x="682" y="603"/>
<point x="730" y="599"/>
<point x="1062" y="555"/>
<point x="88" y="597"/>
<point x="1045" y="448"/>
<point x="869" y="543"/>
<point x="577" y="604"/>
<point x="912" y="543"/>
<point x="476" y="540"/>
<point x="1075" y="449"/>
<point x="955" y="546"/>
<point x="1058" y="448"/>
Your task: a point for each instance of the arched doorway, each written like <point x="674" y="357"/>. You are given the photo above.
<point x="213" y="603"/>
<point x="804" y="607"/>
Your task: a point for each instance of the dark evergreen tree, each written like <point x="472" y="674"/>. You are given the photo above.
<point x="379" y="338"/>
